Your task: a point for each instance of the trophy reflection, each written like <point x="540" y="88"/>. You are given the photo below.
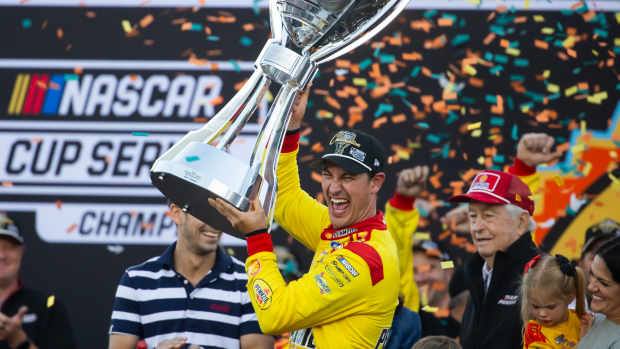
<point x="304" y="34"/>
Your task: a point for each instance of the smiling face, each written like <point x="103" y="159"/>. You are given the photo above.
<point x="493" y="228"/>
<point x="10" y="260"/>
<point x="198" y="237"/>
<point x="605" y="291"/>
<point x="351" y="198"/>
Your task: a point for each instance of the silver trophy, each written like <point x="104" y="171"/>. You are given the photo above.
<point x="305" y="33"/>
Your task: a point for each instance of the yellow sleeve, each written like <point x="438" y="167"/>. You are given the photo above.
<point x="294" y="206"/>
<point x="402" y="224"/>
<point x="334" y="288"/>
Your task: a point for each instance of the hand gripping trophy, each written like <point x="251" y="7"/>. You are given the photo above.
<point x="305" y="33"/>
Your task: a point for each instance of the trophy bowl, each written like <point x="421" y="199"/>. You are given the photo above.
<point x="304" y="34"/>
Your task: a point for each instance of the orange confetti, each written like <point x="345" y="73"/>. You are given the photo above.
<point x="59" y="204"/>
<point x="7" y="184"/>
<point x="316" y="177"/>
<point x="332" y="102"/>
<point x="71" y="228"/>
<point x="490" y="37"/>
<point x="78" y="70"/>
<point x="146" y="20"/>
<point x="217" y="101"/>
<point x="59" y="33"/>
<point x="413" y="56"/>
<point x="423" y="24"/>
<point x="186" y="26"/>
<point x="317" y="147"/>
<point x="444" y="22"/>
<point x="378" y="122"/>
<point x="541" y="44"/>
<point x="399" y="118"/>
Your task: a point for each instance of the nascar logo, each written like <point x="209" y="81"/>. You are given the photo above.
<point x="106" y="94"/>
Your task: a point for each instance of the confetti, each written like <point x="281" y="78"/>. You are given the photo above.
<point x="50" y="301"/>
<point x="192" y="158"/>
<point x="447" y="265"/>
<point x="139" y="134"/>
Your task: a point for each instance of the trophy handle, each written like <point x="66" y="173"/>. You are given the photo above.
<point x="264" y="160"/>
<point x="230" y="119"/>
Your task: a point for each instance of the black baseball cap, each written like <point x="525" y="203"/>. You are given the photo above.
<point x="9" y="229"/>
<point x="355" y="151"/>
<point x="603" y="230"/>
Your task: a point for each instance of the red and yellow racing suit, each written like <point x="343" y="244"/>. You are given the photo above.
<point x="348" y="297"/>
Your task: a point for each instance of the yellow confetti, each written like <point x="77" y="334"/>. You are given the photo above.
<point x="359" y="82"/>
<point x="553" y="88"/>
<point x="447" y="265"/>
<point x="474" y="126"/>
<point x="477" y="2"/>
<point x="429" y="309"/>
<point x="539" y="18"/>
<point x="570" y="91"/>
<point x="569" y="42"/>
<point x="470" y="70"/>
<point x="403" y="154"/>
<point x="618" y="17"/>
<point x="598" y="98"/>
<point x="547" y="30"/>
<point x="126" y="25"/>
<point x="50" y="301"/>
<point x="476" y="133"/>
<point x="513" y="51"/>
<point x="269" y="96"/>
<point x="422" y="236"/>
<point x="546" y="74"/>
<point x="558" y="180"/>
<point x="582" y="125"/>
<point x="613" y="154"/>
<point x="480" y="160"/>
<point x="616" y="41"/>
<point x="587" y="168"/>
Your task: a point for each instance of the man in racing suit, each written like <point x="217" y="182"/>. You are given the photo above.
<point x="348" y="297"/>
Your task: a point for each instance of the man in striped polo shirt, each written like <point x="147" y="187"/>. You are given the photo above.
<point x="193" y="295"/>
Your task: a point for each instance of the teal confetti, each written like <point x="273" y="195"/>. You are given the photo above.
<point x="488" y="56"/>
<point x="496" y="69"/>
<point x="213" y="38"/>
<point x="460" y="39"/>
<point x="398" y="92"/>
<point x="498" y="159"/>
<point x="515" y="132"/>
<point x="618" y="87"/>
<point x="365" y="63"/>
<point x="235" y="65"/>
<point x="192" y="158"/>
<point x="385" y="58"/>
<point x="371" y="85"/>
<point x="495" y="168"/>
<point x="601" y="32"/>
<point x="501" y="59"/>
<point x="245" y="41"/>
<point x="554" y="96"/>
<point x="423" y="125"/>
<point x="377" y="51"/>
<point x="71" y="77"/>
<point x="196" y="27"/>
<point x="255" y="7"/>
<point x="433" y="138"/>
<point x="140" y="134"/>
<point x="495" y="121"/>
<point x="450" y="16"/>
<point x="521" y="62"/>
<point x="445" y="151"/>
<point x="511" y="104"/>
<point x="577" y="70"/>
<point x="491" y="99"/>
<point x="499" y="30"/>
<point x="515" y="77"/>
<point x="452" y="118"/>
<point x="26" y="23"/>
<point x="430" y="14"/>
<point x="468" y="100"/>
<point x="414" y="72"/>
<point x="384" y="108"/>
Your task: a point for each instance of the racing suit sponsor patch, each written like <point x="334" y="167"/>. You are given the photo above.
<point x="338" y="269"/>
<point x="322" y="283"/>
<point x="383" y="338"/>
<point x="254" y="267"/>
<point x="345" y="263"/>
<point x="303" y="338"/>
<point x="333" y="276"/>
<point x="509" y="299"/>
<point x="262" y="293"/>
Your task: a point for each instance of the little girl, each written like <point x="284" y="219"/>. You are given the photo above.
<point x="549" y="286"/>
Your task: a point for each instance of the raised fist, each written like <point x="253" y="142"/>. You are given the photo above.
<point x="536" y="148"/>
<point x="412" y="181"/>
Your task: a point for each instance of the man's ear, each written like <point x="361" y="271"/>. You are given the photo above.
<point x="176" y="214"/>
<point x="523" y="222"/>
<point x="377" y="181"/>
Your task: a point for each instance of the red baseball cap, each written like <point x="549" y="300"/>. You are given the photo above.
<point x="495" y="187"/>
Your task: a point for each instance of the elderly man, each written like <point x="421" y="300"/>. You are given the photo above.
<point x="28" y="319"/>
<point x="348" y="297"/>
<point x="500" y="210"/>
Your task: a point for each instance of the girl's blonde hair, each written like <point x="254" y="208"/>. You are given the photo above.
<point x="548" y="277"/>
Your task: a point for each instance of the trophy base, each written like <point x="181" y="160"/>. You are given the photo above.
<point x="201" y="172"/>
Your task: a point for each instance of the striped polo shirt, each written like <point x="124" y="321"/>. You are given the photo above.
<point x="154" y="302"/>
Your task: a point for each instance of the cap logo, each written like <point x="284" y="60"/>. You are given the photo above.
<point x="357" y="154"/>
<point x="342" y="140"/>
<point x="485" y="181"/>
